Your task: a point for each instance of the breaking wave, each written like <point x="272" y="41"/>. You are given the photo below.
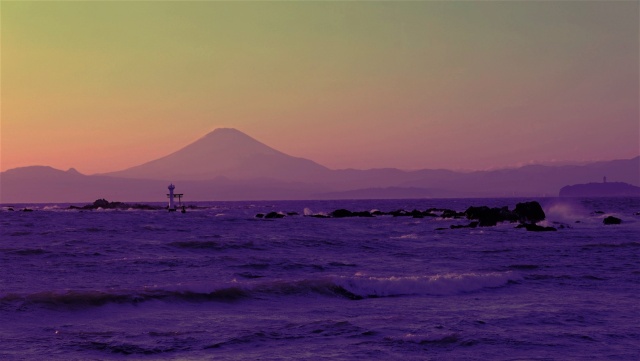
<point x="352" y="288"/>
<point x="447" y="284"/>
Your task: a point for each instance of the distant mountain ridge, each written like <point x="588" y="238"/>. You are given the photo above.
<point x="226" y="164"/>
<point x="225" y="152"/>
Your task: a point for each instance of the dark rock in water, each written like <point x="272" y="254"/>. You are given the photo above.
<point x="612" y="220"/>
<point x="561" y="225"/>
<point x="441" y="229"/>
<point x="400" y="213"/>
<point x="102" y="203"/>
<point x="272" y="215"/>
<point x="341" y="213"/>
<point x="362" y="214"/>
<point x="260" y="215"/>
<point x="470" y="225"/>
<point x="536" y="228"/>
<point x="529" y="212"/>
<point x="483" y="212"/>
<point x="10" y="209"/>
<point x="27" y="210"/>
<point x="448" y="213"/>
<point x="292" y="213"/>
<point x="105" y="204"/>
<point x="489" y="217"/>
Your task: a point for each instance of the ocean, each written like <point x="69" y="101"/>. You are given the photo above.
<point x="217" y="283"/>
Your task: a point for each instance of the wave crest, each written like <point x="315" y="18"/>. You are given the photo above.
<point x="447" y="284"/>
<point x="352" y="288"/>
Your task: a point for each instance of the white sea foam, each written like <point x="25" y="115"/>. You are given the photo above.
<point x="406" y="236"/>
<point x="565" y="211"/>
<point x="447" y="284"/>
<point x="308" y="212"/>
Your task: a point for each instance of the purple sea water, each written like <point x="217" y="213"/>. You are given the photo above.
<point x="218" y="283"/>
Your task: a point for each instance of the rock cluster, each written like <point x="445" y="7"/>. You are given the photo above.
<point x="105" y="204"/>
<point x="270" y="215"/>
<point x="524" y="213"/>
<point x="527" y="214"/>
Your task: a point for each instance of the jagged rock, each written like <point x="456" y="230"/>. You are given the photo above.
<point x="260" y="215"/>
<point x="448" y="213"/>
<point x="363" y="214"/>
<point x="488" y="217"/>
<point x="105" y="204"/>
<point x="400" y="213"/>
<point x="612" y="220"/>
<point x="101" y="203"/>
<point x="416" y="214"/>
<point x="272" y="215"/>
<point x="529" y="212"/>
<point x="341" y="213"/>
<point x="27" y="210"/>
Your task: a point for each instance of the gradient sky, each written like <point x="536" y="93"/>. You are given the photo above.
<point x="102" y="86"/>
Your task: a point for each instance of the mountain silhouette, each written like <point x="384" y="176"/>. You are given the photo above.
<point x="226" y="152"/>
<point x="227" y="164"/>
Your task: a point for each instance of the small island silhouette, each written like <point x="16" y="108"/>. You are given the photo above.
<point x="604" y="189"/>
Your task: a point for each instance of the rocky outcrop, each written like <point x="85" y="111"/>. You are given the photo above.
<point x="343" y="213"/>
<point x="611" y="220"/>
<point x="529" y="212"/>
<point x="488" y="217"/>
<point x="105" y="204"/>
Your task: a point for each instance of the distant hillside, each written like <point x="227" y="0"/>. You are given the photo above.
<point x="226" y="164"/>
<point x="612" y="189"/>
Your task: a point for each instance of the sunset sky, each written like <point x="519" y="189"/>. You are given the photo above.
<point x="102" y="86"/>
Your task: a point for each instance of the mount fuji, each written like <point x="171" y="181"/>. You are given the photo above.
<point x="228" y="153"/>
<point x="228" y="165"/>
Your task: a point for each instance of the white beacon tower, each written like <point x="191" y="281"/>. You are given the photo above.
<point x="172" y="207"/>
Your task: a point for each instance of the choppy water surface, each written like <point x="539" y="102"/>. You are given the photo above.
<point x="218" y="283"/>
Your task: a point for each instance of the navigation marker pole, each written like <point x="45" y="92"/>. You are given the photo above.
<point x="171" y="196"/>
